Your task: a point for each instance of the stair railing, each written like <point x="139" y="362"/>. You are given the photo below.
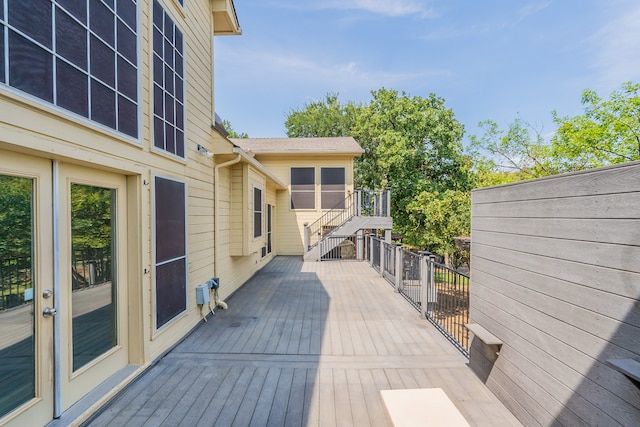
<point x="341" y="213"/>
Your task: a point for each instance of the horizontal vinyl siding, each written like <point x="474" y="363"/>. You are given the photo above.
<point x="555" y="275"/>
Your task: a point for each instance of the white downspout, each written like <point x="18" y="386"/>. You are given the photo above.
<point x="216" y="211"/>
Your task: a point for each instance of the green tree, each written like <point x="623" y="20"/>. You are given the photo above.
<point x="15" y="216"/>
<point x="232" y="133"/>
<point x="411" y="145"/>
<point x="322" y="118"/>
<point x="518" y="153"/>
<point x="438" y="217"/>
<point x="607" y="133"/>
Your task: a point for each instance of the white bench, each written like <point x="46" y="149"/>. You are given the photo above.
<point x="483" y="335"/>
<point x="422" y="407"/>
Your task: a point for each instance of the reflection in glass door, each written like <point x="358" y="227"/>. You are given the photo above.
<point x="17" y="337"/>
<point x="93" y="277"/>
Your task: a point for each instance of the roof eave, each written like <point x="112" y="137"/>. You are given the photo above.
<point x="225" y="19"/>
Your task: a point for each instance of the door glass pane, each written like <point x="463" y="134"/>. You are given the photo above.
<point x="17" y="378"/>
<point x="93" y="272"/>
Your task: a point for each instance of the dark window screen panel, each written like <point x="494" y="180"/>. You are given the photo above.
<point x="30" y="67"/>
<point x="127" y="117"/>
<point x="168" y="91"/>
<point x="171" y="297"/>
<point x="179" y="143"/>
<point x="72" y="88"/>
<point x="257" y="224"/>
<point x="127" y="11"/>
<point x="257" y="212"/>
<point x="2" y="10"/>
<point x="71" y="40"/>
<point x="170" y="219"/>
<point x="158" y="132"/>
<point x="77" y="8"/>
<point x="179" y="65"/>
<point x="332" y="178"/>
<point x="101" y="21"/>
<point x="126" y="42"/>
<point x="103" y="62"/>
<point x="158" y="14"/>
<point x="2" y="64"/>
<point x="103" y="104"/>
<point x="33" y="18"/>
<point x="127" y="79"/>
<point x="332" y="200"/>
<point x="303" y="179"/>
<point x="303" y="200"/>
<point x="332" y="188"/>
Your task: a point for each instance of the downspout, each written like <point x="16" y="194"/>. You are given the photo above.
<point x="216" y="209"/>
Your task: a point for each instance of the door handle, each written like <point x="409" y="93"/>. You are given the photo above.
<point x="49" y="312"/>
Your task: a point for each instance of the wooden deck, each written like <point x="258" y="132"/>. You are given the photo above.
<point x="304" y="344"/>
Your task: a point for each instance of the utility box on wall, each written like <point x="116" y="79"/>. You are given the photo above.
<point x="202" y="294"/>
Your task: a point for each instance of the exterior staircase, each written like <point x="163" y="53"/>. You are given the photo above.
<point x="362" y="210"/>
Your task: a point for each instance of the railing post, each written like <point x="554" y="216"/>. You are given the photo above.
<point x="399" y="282"/>
<point x="370" y="248"/>
<point x="388" y="203"/>
<point x="359" y="245"/>
<point x="424" y="280"/>
<point x="358" y="202"/>
<point x="432" y="298"/>
<point x="306" y="236"/>
<point x="375" y="204"/>
<point x="382" y="258"/>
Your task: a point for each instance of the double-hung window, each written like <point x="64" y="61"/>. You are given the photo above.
<point x="303" y="188"/>
<point x="257" y="212"/>
<point x="168" y="83"/>
<point x="332" y="188"/>
<point x="81" y="56"/>
<point x="171" y="255"/>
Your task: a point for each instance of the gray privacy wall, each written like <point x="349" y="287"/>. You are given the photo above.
<point x="555" y="275"/>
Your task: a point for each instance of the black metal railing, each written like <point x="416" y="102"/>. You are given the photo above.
<point x="375" y="253"/>
<point x="440" y="293"/>
<point x="389" y="253"/>
<point x="334" y="218"/>
<point x="342" y="247"/>
<point x="359" y="203"/>
<point x="16" y="279"/>
<point x="90" y="266"/>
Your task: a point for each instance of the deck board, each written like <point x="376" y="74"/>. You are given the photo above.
<point x="303" y="344"/>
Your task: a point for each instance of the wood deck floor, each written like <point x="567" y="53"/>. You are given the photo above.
<point x="304" y="344"/>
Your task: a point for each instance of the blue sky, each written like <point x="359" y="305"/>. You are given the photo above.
<point x="493" y="59"/>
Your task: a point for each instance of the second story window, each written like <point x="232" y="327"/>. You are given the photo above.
<point x="303" y="188"/>
<point x="80" y="56"/>
<point x="257" y="212"/>
<point x="168" y="83"/>
<point x="332" y="188"/>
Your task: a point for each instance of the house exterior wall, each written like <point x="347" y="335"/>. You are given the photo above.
<point x="289" y="239"/>
<point x="555" y="276"/>
<point x="33" y="129"/>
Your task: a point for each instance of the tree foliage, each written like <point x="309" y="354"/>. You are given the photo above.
<point x="607" y="133"/>
<point x="91" y="216"/>
<point x="15" y="216"/>
<point x="412" y="145"/>
<point x="232" y="133"/>
<point x="326" y="118"/>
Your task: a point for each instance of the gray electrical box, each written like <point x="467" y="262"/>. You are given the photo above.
<point x="202" y="294"/>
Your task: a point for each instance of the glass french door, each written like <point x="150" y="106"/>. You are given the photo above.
<point x="93" y="299"/>
<point x="63" y="300"/>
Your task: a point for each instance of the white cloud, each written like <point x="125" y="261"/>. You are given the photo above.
<point x="615" y="46"/>
<point x="275" y="68"/>
<point x="390" y="8"/>
<point x="532" y="8"/>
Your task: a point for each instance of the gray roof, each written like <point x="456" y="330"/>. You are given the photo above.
<point x="337" y="145"/>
